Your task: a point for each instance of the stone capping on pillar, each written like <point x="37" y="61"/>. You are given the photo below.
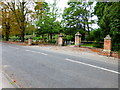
<point x="107" y="37"/>
<point x="61" y="35"/>
<point x="78" y="34"/>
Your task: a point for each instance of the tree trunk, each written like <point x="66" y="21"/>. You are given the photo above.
<point x="50" y="36"/>
<point x="22" y="36"/>
<point x="22" y="33"/>
<point x="88" y="31"/>
<point x="7" y="36"/>
<point x="83" y="36"/>
<point x="7" y="32"/>
<point x="42" y="36"/>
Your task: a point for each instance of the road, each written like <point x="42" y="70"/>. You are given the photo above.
<point x="38" y="68"/>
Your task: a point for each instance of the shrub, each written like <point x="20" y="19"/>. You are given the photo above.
<point x="115" y="47"/>
<point x="69" y="37"/>
<point x="14" y="38"/>
<point x="36" y="38"/>
<point x="52" y="42"/>
<point x="97" y="45"/>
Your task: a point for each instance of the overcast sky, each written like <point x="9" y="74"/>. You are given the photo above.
<point x="63" y="3"/>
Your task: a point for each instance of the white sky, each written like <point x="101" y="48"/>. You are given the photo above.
<point x="61" y="4"/>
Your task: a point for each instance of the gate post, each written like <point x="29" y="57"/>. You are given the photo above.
<point x="77" y="39"/>
<point x="107" y="44"/>
<point x="60" y="39"/>
<point x="30" y="41"/>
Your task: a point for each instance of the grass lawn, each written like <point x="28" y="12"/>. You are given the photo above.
<point x="88" y="45"/>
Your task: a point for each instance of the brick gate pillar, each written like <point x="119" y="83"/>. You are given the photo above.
<point x="107" y="44"/>
<point x="30" y="41"/>
<point x="61" y="39"/>
<point x="77" y="39"/>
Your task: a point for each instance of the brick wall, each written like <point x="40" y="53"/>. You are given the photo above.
<point x="107" y="45"/>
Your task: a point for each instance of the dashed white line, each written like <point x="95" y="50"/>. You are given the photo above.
<point x="27" y="50"/>
<point x="14" y="47"/>
<point x="36" y="52"/>
<point x="93" y="66"/>
<point x="33" y="51"/>
<point x="44" y="53"/>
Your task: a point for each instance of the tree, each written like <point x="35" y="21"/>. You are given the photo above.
<point x="20" y="12"/>
<point x="30" y="29"/>
<point x="47" y="22"/>
<point x="38" y="10"/>
<point x="108" y="14"/>
<point x="76" y="18"/>
<point x="6" y="21"/>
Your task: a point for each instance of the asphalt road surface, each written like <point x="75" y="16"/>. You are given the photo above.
<point x="38" y="68"/>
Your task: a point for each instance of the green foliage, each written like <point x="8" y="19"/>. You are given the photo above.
<point x="87" y="45"/>
<point x="109" y="21"/>
<point x="30" y="29"/>
<point x="47" y="23"/>
<point x="69" y="37"/>
<point x="96" y="35"/>
<point x="97" y="45"/>
<point x="76" y="18"/>
<point x="36" y="38"/>
<point x="14" y="38"/>
<point x="52" y="42"/>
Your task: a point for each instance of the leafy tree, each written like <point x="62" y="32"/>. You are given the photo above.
<point x="20" y="12"/>
<point x="109" y="20"/>
<point x="76" y="18"/>
<point x="30" y="29"/>
<point x="6" y="21"/>
<point x="47" y="22"/>
<point x="96" y="35"/>
<point x="39" y="8"/>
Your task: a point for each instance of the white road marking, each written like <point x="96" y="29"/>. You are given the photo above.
<point x="27" y="50"/>
<point x="36" y="52"/>
<point x="33" y="51"/>
<point x="44" y="53"/>
<point x="14" y="47"/>
<point x="93" y="66"/>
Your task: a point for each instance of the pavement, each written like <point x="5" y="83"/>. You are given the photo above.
<point x="6" y="83"/>
<point x="5" y="80"/>
<point x="37" y="67"/>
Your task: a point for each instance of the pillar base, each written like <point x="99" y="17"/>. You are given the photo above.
<point x="107" y="52"/>
<point x="77" y="45"/>
<point x="29" y="42"/>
